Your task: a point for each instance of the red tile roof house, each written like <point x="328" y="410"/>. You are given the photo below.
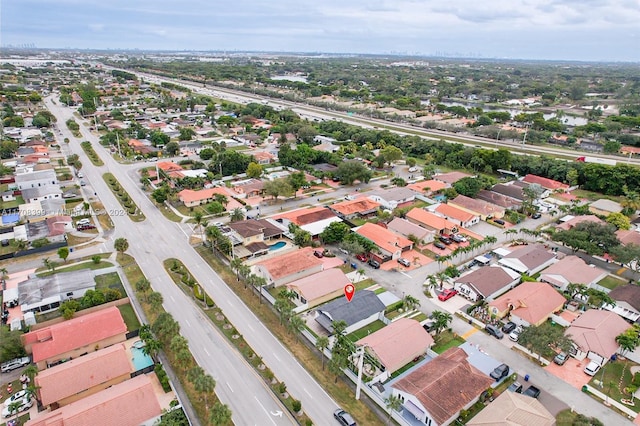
<point x="313" y="220"/>
<point x="436" y="392"/>
<point x="458" y="216"/>
<point x="572" y="269"/>
<point x="289" y="267"/>
<point x="76" y="379"/>
<point x="627" y="298"/>
<point x="396" y="345"/>
<point x="264" y="157"/>
<point x="478" y="207"/>
<point x="75" y="337"/>
<point x="360" y="207"/>
<point x="548" y="184"/>
<point x="486" y="282"/>
<point x="131" y="402"/>
<point x="529" y="259"/>
<point x="405" y="228"/>
<point x="191" y="198"/>
<point x="319" y="288"/>
<point x="530" y="303"/>
<point x="248" y="187"/>
<point x="427" y="187"/>
<point x="628" y="237"/>
<point x="391" y="245"/>
<point x="569" y="221"/>
<point x="451" y="177"/>
<point x="594" y="335"/>
<point x="432" y="222"/>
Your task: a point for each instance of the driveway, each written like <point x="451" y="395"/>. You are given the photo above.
<point x="571" y="372"/>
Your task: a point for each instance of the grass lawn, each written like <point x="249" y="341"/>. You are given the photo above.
<point x="8" y="249"/>
<point x="307" y="357"/>
<point x="101" y="214"/>
<point x="613" y="378"/>
<point x="131" y="269"/>
<point x="129" y="317"/>
<point x="110" y="280"/>
<point x="76" y="267"/>
<point x="594" y="196"/>
<point x="365" y="331"/>
<point x="167" y="212"/>
<point x="12" y="204"/>
<point x="364" y="284"/>
<point x="446" y="340"/>
<point x="611" y="282"/>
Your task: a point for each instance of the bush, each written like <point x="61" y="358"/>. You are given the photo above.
<point x="96" y="259"/>
<point x="296" y="405"/>
<point x="209" y="301"/>
<point x="162" y="377"/>
<point x="281" y="387"/>
<point x="197" y="292"/>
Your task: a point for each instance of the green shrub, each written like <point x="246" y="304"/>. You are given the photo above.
<point x="296" y="405"/>
<point x="162" y="377"/>
<point x="209" y="301"/>
<point x="197" y="292"/>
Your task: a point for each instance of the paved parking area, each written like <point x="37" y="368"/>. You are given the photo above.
<point x="416" y="259"/>
<point x="571" y="372"/>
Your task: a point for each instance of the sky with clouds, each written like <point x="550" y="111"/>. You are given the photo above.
<point x="588" y="30"/>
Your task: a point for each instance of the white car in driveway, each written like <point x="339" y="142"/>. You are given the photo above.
<point x="16" y="396"/>
<point x="24" y="404"/>
<point x="515" y="334"/>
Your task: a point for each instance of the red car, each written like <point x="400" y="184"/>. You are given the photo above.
<point x="447" y="294"/>
<point x="361" y="257"/>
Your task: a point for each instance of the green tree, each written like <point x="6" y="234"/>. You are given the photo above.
<point x="121" y="245"/>
<point x="10" y="344"/>
<point x="277" y="187"/>
<point x="186" y="134"/>
<point x="236" y="215"/>
<point x="322" y="343"/>
<point x="393" y="403"/>
<point x="619" y="220"/>
<point x="220" y="414"/>
<point x="629" y="339"/>
<point x="302" y="238"/>
<point x="350" y="171"/>
<point x="540" y="339"/>
<point x="441" y="320"/>
<point x="391" y="153"/>
<point x="155" y="300"/>
<point x="627" y="255"/>
<point x="254" y="170"/>
<point x="172" y="148"/>
<point x="335" y="232"/>
<point x="63" y="253"/>
<point x="297" y="180"/>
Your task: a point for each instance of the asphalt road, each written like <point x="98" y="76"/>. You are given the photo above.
<point x="156" y="239"/>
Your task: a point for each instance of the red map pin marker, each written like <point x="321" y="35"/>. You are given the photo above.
<point x="349" y="291"/>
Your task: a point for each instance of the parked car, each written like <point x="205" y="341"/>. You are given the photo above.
<point x="515" y="387"/>
<point x="82" y="183"/>
<point x="532" y="391"/>
<point x="84" y="221"/>
<point x="509" y="327"/>
<point x="374" y="264"/>
<point x="439" y="245"/>
<point x="85" y="227"/>
<point x="404" y="262"/>
<point x="561" y="358"/>
<point x="500" y="372"/>
<point x="447" y="294"/>
<point x="445" y="240"/>
<point x="515" y="334"/>
<point x="318" y="254"/>
<point x="15" y="397"/>
<point x="459" y="238"/>
<point x="344" y="418"/>
<point x="499" y="221"/>
<point x="361" y="257"/>
<point x="14" y="363"/>
<point x="536" y="216"/>
<point x="592" y="368"/>
<point x="25" y="404"/>
<point x="494" y="331"/>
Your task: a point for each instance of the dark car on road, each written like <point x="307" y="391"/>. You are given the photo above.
<point x="500" y="372"/>
<point x="499" y="221"/>
<point x="532" y="391"/>
<point x="508" y="327"/>
<point x="374" y="264"/>
<point x="494" y="331"/>
<point x="344" y="418"/>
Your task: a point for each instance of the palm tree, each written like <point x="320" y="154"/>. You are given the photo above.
<point x="410" y="302"/>
<point x="14" y="407"/>
<point x="430" y="283"/>
<point x="198" y="218"/>
<point x="236" y="215"/>
<point x="442" y="320"/>
<point x="631" y="201"/>
<point x="322" y="343"/>
<point x="4" y="274"/>
<point x="221" y="198"/>
<point x="143" y="285"/>
<point x="393" y="403"/>
<point x="296" y="324"/>
<point x="205" y="385"/>
<point x="220" y="414"/>
<point x="156" y="299"/>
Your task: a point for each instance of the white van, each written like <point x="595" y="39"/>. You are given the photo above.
<point x="84" y="221"/>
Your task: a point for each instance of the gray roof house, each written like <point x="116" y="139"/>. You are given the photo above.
<point x="487" y="282"/>
<point x="499" y="199"/>
<point x="41" y="193"/>
<point x="36" y="179"/>
<point x="364" y="308"/>
<point x="406" y="228"/>
<point x="627" y="298"/>
<point x="528" y="259"/>
<point x="45" y="294"/>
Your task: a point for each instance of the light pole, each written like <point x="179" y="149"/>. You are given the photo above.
<point x="524" y="139"/>
<point x="360" y="352"/>
<point x="498" y="137"/>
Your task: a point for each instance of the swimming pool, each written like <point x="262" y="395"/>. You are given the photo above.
<point x="277" y="245"/>
<point x="140" y="359"/>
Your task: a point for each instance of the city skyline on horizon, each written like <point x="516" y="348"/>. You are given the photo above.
<point x="557" y="30"/>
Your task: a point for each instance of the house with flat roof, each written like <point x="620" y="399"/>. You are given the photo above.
<point x="513" y="409"/>
<point x="360" y="207"/>
<point x="397" y="344"/>
<point x="41" y="193"/>
<point x="546" y="183"/>
<point x="529" y="259"/>
<point x="438" y="224"/>
<point x="486" y="282"/>
<point x="627" y="298"/>
<point x="57" y="343"/>
<point x="604" y="207"/>
<point x="458" y="216"/>
<point x="436" y="392"/>
<point x="365" y="307"/>
<point x="36" y="179"/>
<point x="391" y="198"/>
<point x="450" y="178"/>
<point x="477" y="207"/>
<point x="572" y="269"/>
<point x="131" y="402"/>
<point x="313" y="219"/>
<point x="530" y="303"/>
<point x="68" y="382"/>
<point x="391" y="245"/>
<point x="288" y="267"/>
<point x="594" y="335"/>
<point x="319" y="288"/>
<point x="44" y="294"/>
<point x="405" y="228"/>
